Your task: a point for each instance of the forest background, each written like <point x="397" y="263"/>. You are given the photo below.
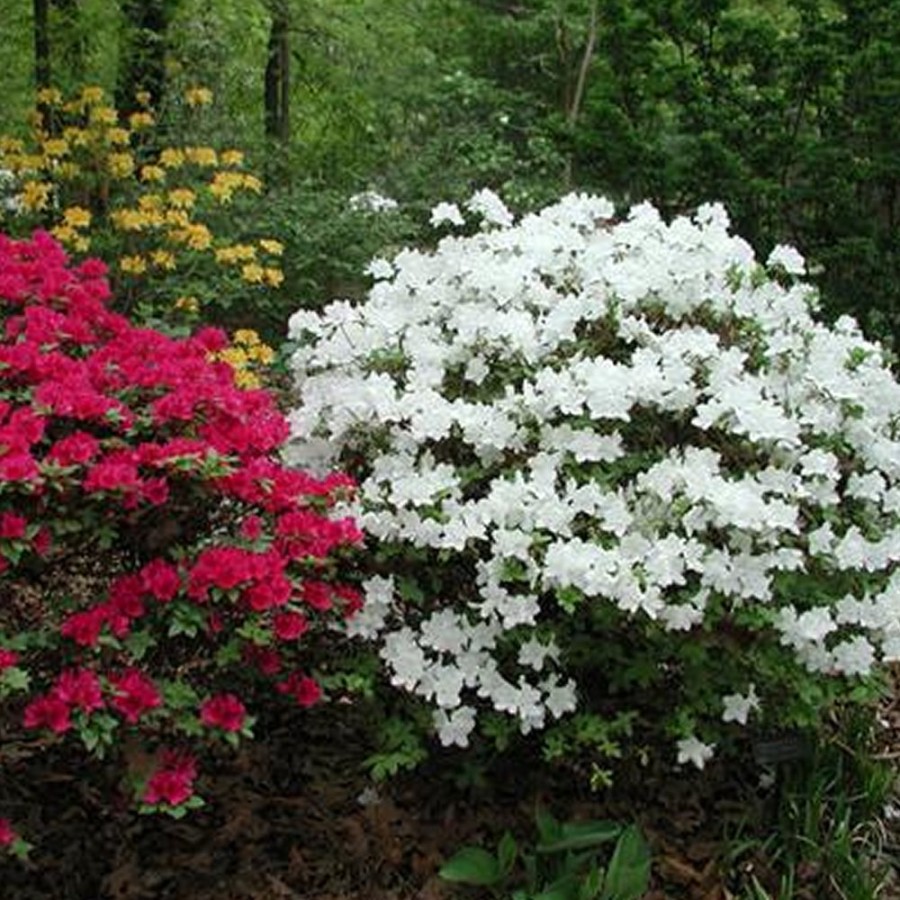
<point x="788" y="111"/>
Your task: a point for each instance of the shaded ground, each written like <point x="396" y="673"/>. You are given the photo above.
<point x="292" y="818"/>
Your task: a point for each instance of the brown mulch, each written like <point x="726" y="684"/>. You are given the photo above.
<point x="296" y="817"/>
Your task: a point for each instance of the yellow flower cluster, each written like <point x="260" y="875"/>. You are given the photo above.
<point x="246" y="353"/>
<point x="96" y="173"/>
<point x="252" y="271"/>
<point x="69" y="232"/>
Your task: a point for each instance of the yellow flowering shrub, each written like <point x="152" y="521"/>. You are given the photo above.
<point x="248" y="355"/>
<point x="162" y="217"/>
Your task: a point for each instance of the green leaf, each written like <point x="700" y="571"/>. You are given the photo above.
<point x="506" y="853"/>
<point x="15" y="679"/>
<point x="629" y="869"/>
<point x="580" y="835"/>
<point x="472" y="865"/>
<point x="139" y="642"/>
<point x="548" y="828"/>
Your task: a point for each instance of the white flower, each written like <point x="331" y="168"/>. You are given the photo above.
<point x="534" y="654"/>
<point x="371" y="201"/>
<point x="446" y="212"/>
<point x="739" y="706"/>
<point x="854" y="657"/>
<point x="532" y="410"/>
<point x="454" y="727"/>
<point x="490" y="207"/>
<point x="693" y="750"/>
<point x="380" y="269"/>
<point x="788" y="258"/>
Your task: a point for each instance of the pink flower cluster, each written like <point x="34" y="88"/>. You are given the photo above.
<point x="134" y="451"/>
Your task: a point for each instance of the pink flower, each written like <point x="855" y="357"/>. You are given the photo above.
<point x="84" y="627"/>
<point x="289" y="626"/>
<point x="8" y="658"/>
<point x="48" y="712"/>
<point x="12" y="526"/>
<point x="112" y="476"/>
<point x="160" y="579"/>
<point x="266" y="659"/>
<point x="18" y="467"/>
<point x="135" y="695"/>
<point x="223" y="711"/>
<point x="317" y="594"/>
<point x="79" y="688"/>
<point x="251" y="528"/>
<point x="7" y="835"/>
<point x="173" y="782"/>
<point x="74" y="450"/>
<point x="302" y="688"/>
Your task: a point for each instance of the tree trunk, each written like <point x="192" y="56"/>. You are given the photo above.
<point x="278" y="77"/>
<point x="70" y="40"/>
<point x="42" y="44"/>
<point x="142" y="67"/>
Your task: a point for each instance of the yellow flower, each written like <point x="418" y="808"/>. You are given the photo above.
<point x="224" y="184"/>
<point x="187" y="304"/>
<point x="118" y="136"/>
<point x="129" y="219"/>
<point x="246" y="336"/>
<point x="65" y="234"/>
<point x="163" y="259"/>
<point x="71" y="238"/>
<point x="35" y="195"/>
<point x="56" y="147"/>
<point x="103" y="115"/>
<point x="198" y="96"/>
<point x="153" y="173"/>
<point x="262" y="354"/>
<point x="140" y="120"/>
<point x="273" y="277"/>
<point x="49" y="96"/>
<point x="182" y="198"/>
<point x="77" y="217"/>
<point x="246" y="380"/>
<point x="234" y="356"/>
<point x="276" y="248"/>
<point x="133" y="265"/>
<point x="91" y="94"/>
<point x="196" y="235"/>
<point x="231" y="157"/>
<point x="121" y="165"/>
<point x="236" y="253"/>
<point x="11" y="145"/>
<point x="251" y="182"/>
<point x="77" y="137"/>
<point x="177" y="217"/>
<point x="201" y="156"/>
<point x="68" y="170"/>
<point x="252" y="273"/>
<point x="171" y="158"/>
<point x="143" y="98"/>
<point x="151" y="202"/>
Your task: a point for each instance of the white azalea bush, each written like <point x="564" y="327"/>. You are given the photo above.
<point x="611" y="468"/>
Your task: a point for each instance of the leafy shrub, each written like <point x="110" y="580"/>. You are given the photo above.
<point x="161" y="570"/>
<point x="565" y="863"/>
<point x="165" y="215"/>
<point x="615" y="467"/>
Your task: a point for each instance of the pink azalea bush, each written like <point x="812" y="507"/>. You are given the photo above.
<point x="158" y="565"/>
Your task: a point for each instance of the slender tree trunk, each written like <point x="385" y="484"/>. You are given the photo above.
<point x="71" y="39"/>
<point x="278" y="75"/>
<point x="143" y="63"/>
<point x="42" y="43"/>
<point x="577" y="97"/>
